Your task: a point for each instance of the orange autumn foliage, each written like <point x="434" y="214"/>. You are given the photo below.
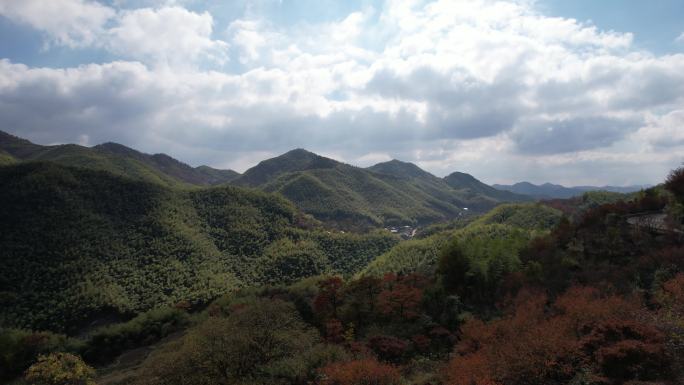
<point x="541" y="344"/>
<point x="402" y="296"/>
<point x="329" y="297"/>
<point x="360" y="372"/>
<point x="671" y="296"/>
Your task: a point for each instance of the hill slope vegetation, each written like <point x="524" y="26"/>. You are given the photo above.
<point x="80" y="245"/>
<point x="389" y="193"/>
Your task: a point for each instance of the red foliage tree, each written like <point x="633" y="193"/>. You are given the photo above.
<point x="360" y="298"/>
<point x="626" y="349"/>
<point x="334" y="331"/>
<point x="360" y="372"/>
<point x="402" y="296"/>
<point x="671" y="296"/>
<point x="329" y="297"/>
<point x="421" y="342"/>
<point x="388" y="348"/>
<point x="538" y="344"/>
<point x="473" y="369"/>
<point x="401" y="301"/>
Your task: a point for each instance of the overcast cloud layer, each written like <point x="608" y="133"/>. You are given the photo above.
<point x="494" y="88"/>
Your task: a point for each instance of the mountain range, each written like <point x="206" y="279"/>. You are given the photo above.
<point x="342" y="195"/>
<point x="116" y="159"/>
<point x="388" y="193"/>
<point x="555" y="191"/>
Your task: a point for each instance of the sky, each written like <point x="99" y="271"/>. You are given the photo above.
<point x="572" y="92"/>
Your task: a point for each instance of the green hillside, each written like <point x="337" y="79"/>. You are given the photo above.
<point x="576" y="206"/>
<point x="459" y="181"/>
<point x="295" y="160"/>
<point x="499" y="233"/>
<point x="389" y="193"/>
<point x="117" y="159"/>
<point x="215" y="176"/>
<point x="529" y="216"/>
<point x="401" y="169"/>
<point x="203" y="175"/>
<point x="347" y="196"/>
<point x="80" y="245"/>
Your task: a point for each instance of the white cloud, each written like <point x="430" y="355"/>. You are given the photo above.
<point x="249" y="37"/>
<point x="170" y="35"/>
<point x="490" y="87"/>
<point x="663" y="132"/>
<point x="680" y="38"/>
<point x="74" y="23"/>
<point x="167" y="35"/>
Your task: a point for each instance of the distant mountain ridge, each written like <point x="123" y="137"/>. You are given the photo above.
<point x="115" y="158"/>
<point x="460" y="180"/>
<point x="552" y="191"/>
<point x="345" y="196"/>
<point x="392" y="192"/>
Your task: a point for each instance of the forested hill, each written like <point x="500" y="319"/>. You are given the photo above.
<point x="341" y="195"/>
<point x="463" y="181"/>
<point x="385" y="194"/>
<point x="80" y="245"/>
<point x="117" y="159"/>
<point x="522" y="295"/>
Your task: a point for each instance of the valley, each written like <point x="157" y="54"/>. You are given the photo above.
<point x="140" y="265"/>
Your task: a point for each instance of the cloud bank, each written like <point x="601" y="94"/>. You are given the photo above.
<point x="494" y="88"/>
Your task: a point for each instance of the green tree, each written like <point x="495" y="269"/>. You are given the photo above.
<point x="265" y="342"/>
<point x="453" y="266"/>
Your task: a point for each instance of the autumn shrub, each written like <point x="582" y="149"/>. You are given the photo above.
<point x="334" y="331"/>
<point x="626" y="349"/>
<point x="388" y="348"/>
<point x="541" y="344"/>
<point x="671" y="295"/>
<point x="329" y="297"/>
<point x="60" y="369"/>
<point x="360" y="372"/>
<point x="421" y="342"/>
<point x="401" y="301"/>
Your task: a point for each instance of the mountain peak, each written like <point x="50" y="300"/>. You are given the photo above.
<point x="401" y="169"/>
<point x="457" y="175"/>
<point x="299" y="153"/>
<point x="295" y="160"/>
<point x="461" y="180"/>
<point x="300" y="150"/>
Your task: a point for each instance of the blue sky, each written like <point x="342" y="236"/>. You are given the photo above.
<point x="655" y="24"/>
<point x="572" y="92"/>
